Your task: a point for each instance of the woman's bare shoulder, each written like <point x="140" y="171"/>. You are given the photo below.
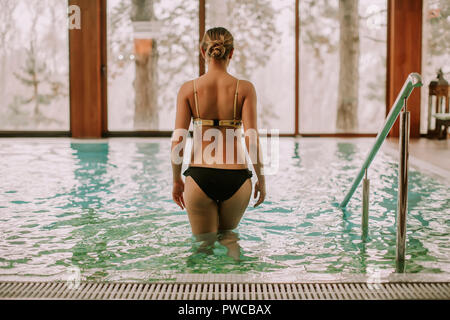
<point x="246" y="87"/>
<point x="186" y="88"/>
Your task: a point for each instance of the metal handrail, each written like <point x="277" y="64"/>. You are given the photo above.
<point x="414" y="80"/>
<point x="402" y="194"/>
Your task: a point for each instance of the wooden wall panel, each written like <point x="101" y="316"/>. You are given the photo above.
<point x="404" y="56"/>
<point x="87" y="105"/>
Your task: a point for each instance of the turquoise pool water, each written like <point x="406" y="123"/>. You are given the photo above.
<point x="105" y="208"/>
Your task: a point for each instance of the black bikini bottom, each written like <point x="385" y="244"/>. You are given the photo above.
<point x="218" y="184"/>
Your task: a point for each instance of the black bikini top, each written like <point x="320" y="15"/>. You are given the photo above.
<point x="207" y="122"/>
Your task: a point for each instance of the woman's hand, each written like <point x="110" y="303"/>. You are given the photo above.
<point x="261" y="189"/>
<point x="177" y="193"/>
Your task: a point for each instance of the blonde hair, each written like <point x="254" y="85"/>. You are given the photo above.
<point x="217" y="43"/>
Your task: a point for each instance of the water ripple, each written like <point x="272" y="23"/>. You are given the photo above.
<point x="106" y="208"/>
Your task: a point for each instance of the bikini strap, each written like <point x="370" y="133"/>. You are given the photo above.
<point x="235" y="100"/>
<point x="196" y="99"/>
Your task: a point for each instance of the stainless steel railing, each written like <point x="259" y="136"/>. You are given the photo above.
<point x="399" y="108"/>
<point x="402" y="197"/>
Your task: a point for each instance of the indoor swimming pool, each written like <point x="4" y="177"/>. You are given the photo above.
<point x="105" y="208"/>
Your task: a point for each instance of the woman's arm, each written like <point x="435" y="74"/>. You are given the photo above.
<point x="182" y="121"/>
<point x="249" y="119"/>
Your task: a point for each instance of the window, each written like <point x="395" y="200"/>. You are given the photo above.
<point x="34" y="65"/>
<point x="152" y="51"/>
<point x="264" y="40"/>
<point x="352" y="101"/>
<point x="435" y="49"/>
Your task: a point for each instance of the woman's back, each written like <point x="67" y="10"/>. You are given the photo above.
<point x="217" y="96"/>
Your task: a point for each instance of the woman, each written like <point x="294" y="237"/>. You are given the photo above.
<point x="218" y="186"/>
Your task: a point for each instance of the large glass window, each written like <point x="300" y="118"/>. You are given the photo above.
<point x="435" y="49"/>
<point x="34" y="65"/>
<point x="152" y="51"/>
<point x="264" y="36"/>
<point x="342" y="79"/>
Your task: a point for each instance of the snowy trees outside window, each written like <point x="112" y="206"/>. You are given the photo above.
<point x="34" y="65"/>
<point x="342" y="65"/>
<point x="152" y="50"/>
<point x="147" y="68"/>
<point x="264" y="36"/>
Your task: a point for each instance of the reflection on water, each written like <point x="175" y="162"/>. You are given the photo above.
<point x="90" y="174"/>
<point x="346" y="151"/>
<point x="230" y="240"/>
<point x="106" y="208"/>
<point x="93" y="184"/>
<point x="208" y="243"/>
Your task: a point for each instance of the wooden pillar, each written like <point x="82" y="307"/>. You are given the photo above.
<point x="404" y="56"/>
<point x="104" y="65"/>
<point x="88" y="71"/>
<point x="201" y="31"/>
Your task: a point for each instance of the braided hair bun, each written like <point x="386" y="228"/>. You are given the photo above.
<point x="217" y="43"/>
